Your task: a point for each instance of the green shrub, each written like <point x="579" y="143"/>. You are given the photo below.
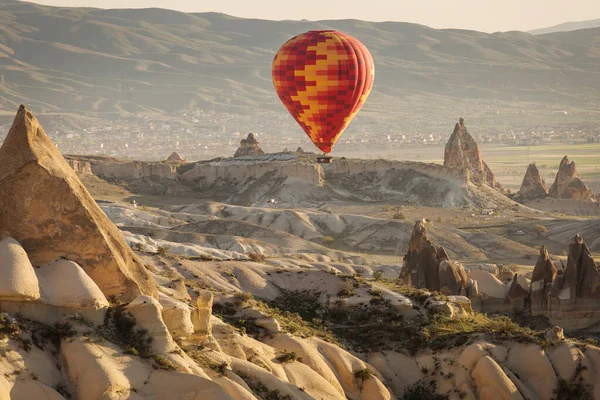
<point x="162" y="250"/>
<point x="241" y="298"/>
<point x="139" y="246"/>
<point x="328" y="240"/>
<point x="399" y="215"/>
<point x="119" y="327"/>
<point x="378" y="275"/>
<point x="422" y="391"/>
<point x="288" y="357"/>
<point x="362" y="374"/>
<point x="257" y="257"/>
<point x="161" y="362"/>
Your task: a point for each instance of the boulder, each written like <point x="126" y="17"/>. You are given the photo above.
<point x="533" y="186"/>
<point x="249" y="147"/>
<point x="46" y="208"/>
<point x="462" y="152"/>
<point x="567" y="184"/>
<point x="17" y="277"/>
<point x="63" y="283"/>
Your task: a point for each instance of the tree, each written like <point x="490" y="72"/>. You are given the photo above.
<point x="540" y="230"/>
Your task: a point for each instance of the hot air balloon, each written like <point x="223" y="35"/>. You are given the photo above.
<point x="323" y="78"/>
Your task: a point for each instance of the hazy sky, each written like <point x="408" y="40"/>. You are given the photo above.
<point x="481" y="15"/>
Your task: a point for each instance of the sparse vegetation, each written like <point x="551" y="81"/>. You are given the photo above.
<point x="119" y="327"/>
<point x="161" y="362"/>
<point x="363" y="374"/>
<point x="288" y="357"/>
<point x="328" y="240"/>
<point x="347" y="289"/>
<point x="399" y="215"/>
<point x="62" y="390"/>
<point x="162" y="250"/>
<point x="257" y="257"/>
<point x="378" y="275"/>
<point x="575" y="389"/>
<point x="540" y="230"/>
<point x="139" y="246"/>
<point x="263" y="392"/>
<point x="378" y="325"/>
<point x="423" y="391"/>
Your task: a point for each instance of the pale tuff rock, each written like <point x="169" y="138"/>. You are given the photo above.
<point x="492" y="383"/>
<point x="48" y="294"/>
<point x="567" y="184"/>
<point x="462" y="152"/>
<point x="249" y="147"/>
<point x="177" y="316"/>
<point x="202" y="313"/>
<point x="18" y="280"/>
<point x="63" y="283"/>
<point x="59" y="218"/>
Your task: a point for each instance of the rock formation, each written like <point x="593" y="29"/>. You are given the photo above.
<point x="249" y="147"/>
<point x="516" y="291"/>
<point x="175" y="157"/>
<point x="533" y="186"/>
<point x="543" y="275"/>
<point x="462" y="152"/>
<point x="428" y="267"/>
<point x="581" y="276"/>
<point x="46" y="208"/>
<point x="567" y="184"/>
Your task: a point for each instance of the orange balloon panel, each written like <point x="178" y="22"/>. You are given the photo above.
<point x="323" y="78"/>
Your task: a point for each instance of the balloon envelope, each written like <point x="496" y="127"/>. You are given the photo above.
<point x="323" y="78"/>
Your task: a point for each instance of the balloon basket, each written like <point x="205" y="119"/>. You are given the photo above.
<point x="324" y="160"/>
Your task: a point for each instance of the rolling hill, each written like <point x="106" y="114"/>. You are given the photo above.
<point x="568" y="26"/>
<point x="71" y="62"/>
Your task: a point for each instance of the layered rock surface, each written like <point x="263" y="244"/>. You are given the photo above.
<point x="45" y="207"/>
<point x="462" y="152"/>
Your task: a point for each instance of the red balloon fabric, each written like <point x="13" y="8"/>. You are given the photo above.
<point x="323" y="78"/>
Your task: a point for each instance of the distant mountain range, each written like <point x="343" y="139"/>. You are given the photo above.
<point x="108" y="63"/>
<point x="567" y="27"/>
